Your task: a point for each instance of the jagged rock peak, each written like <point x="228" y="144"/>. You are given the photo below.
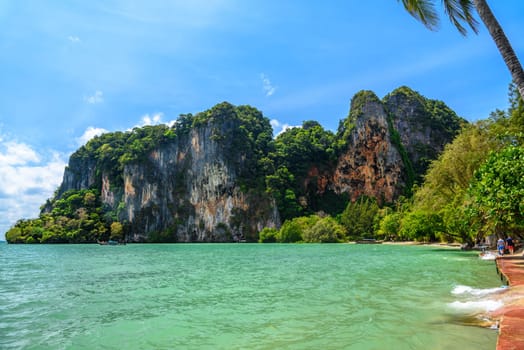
<point x="360" y="101"/>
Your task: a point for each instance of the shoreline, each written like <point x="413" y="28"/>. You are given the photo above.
<point x="511" y="315"/>
<point x="509" y="319"/>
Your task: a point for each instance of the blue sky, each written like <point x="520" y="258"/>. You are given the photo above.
<point x="72" y="69"/>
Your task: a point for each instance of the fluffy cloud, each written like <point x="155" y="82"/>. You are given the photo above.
<point x="98" y="97"/>
<point x="28" y="179"/>
<point x="17" y="153"/>
<point x="89" y="134"/>
<point x="279" y="128"/>
<point x="154" y="119"/>
<point x="268" y="88"/>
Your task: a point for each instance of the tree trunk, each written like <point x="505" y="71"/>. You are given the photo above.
<point x="502" y="42"/>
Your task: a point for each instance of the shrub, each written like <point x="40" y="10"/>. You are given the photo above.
<point x="268" y="235"/>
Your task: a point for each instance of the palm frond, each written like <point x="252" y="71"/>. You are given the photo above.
<point x="423" y="11"/>
<point x="459" y="12"/>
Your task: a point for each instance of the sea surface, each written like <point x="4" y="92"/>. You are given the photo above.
<point x="243" y="296"/>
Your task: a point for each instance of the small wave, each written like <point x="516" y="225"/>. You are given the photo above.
<point x="460" y="289"/>
<point x="488" y="256"/>
<point x="481" y="306"/>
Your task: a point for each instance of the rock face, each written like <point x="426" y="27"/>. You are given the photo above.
<point x="389" y="144"/>
<point x="205" y="180"/>
<point x="187" y="190"/>
<point x="372" y="164"/>
<point x="425" y="126"/>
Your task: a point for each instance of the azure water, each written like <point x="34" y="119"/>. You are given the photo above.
<point x="243" y="296"/>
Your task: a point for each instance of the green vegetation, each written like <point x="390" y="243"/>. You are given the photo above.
<point x="497" y="192"/>
<point x="307" y="229"/>
<point x="360" y="218"/>
<point x="410" y="173"/>
<point x="77" y="217"/>
<point x="300" y="157"/>
<point x="473" y="189"/>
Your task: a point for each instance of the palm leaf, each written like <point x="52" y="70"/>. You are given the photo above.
<point x="423" y="11"/>
<point x="459" y="12"/>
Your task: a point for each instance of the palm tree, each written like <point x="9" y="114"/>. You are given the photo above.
<point x="460" y="12"/>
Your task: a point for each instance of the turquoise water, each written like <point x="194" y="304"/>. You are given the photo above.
<point x="240" y="296"/>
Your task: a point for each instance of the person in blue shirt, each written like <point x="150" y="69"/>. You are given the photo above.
<point x="501" y="246"/>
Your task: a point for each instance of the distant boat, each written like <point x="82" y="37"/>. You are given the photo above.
<point x="368" y="241"/>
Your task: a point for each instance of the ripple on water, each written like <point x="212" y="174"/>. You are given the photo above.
<point x="237" y="296"/>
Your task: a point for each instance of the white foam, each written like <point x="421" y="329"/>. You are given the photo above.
<point x="482" y="305"/>
<point x="460" y="290"/>
<point x="488" y="256"/>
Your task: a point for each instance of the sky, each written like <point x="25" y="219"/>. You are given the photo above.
<point x="70" y="70"/>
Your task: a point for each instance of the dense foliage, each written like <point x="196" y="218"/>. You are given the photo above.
<point x="461" y="198"/>
<point x="307" y="229"/>
<point x="474" y="189"/>
<point x="77" y="217"/>
<point x="360" y="218"/>
<point x="112" y="151"/>
<point x="300" y="156"/>
<point x="497" y="192"/>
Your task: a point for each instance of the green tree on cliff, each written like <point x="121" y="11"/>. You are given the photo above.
<point x="300" y="156"/>
<point x="461" y="12"/>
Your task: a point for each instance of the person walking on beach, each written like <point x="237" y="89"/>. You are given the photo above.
<point x="500" y="246"/>
<point x="510" y="245"/>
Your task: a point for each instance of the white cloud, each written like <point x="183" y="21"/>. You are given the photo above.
<point x="268" y="88"/>
<point x="98" y="97"/>
<point x="153" y="119"/>
<point x="279" y="128"/>
<point x="73" y="39"/>
<point x="90" y="132"/>
<point x="13" y="153"/>
<point x="28" y="179"/>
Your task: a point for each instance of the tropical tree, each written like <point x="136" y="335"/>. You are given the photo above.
<point x="325" y="230"/>
<point x="460" y="12"/>
<point x="389" y="226"/>
<point x="449" y="176"/>
<point x="497" y="192"/>
<point x="421" y="226"/>
<point x="268" y="235"/>
<point x="360" y="218"/>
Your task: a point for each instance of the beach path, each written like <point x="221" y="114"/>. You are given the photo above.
<point x="511" y="331"/>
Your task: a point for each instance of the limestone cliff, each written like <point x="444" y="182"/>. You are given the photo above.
<point x="386" y="146"/>
<point x="371" y="165"/>
<point x="424" y="125"/>
<point x="219" y="176"/>
<point x="188" y="189"/>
